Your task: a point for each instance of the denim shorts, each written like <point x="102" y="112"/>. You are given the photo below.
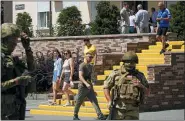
<point x="66" y="77"/>
<point x="55" y="76"/>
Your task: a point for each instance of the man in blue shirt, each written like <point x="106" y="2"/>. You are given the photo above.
<point x="163" y="20"/>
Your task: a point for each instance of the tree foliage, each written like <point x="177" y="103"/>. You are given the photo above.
<point x="70" y="22"/>
<point x="106" y="21"/>
<point x="24" y="22"/>
<point x="177" y="23"/>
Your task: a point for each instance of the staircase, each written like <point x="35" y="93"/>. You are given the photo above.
<point x="146" y="57"/>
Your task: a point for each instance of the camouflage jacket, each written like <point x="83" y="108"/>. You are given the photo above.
<point x="12" y="67"/>
<point x="113" y="80"/>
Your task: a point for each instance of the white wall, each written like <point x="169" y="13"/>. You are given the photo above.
<point x="31" y="8"/>
<point x="82" y="7"/>
<point x="168" y="3"/>
<point x="87" y="9"/>
<point x="57" y="6"/>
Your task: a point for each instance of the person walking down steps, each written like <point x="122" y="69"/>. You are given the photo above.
<point x="85" y="88"/>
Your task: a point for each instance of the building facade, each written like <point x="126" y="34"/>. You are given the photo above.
<point x="40" y="11"/>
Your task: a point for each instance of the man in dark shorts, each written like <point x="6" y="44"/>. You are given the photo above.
<point x="163" y="19"/>
<point x="85" y="88"/>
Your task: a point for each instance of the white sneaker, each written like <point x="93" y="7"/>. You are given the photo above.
<point x="67" y="104"/>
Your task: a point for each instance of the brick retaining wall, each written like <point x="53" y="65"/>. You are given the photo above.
<point x="103" y="43"/>
<point x="167" y="83"/>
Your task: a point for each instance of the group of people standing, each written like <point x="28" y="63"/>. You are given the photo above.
<point x="142" y="22"/>
<point x="134" y="23"/>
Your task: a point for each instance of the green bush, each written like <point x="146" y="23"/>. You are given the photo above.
<point x="24" y="22"/>
<point x="177" y="23"/>
<point x="70" y="22"/>
<point x="106" y="21"/>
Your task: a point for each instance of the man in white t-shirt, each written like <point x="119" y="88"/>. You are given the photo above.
<point x="132" y="18"/>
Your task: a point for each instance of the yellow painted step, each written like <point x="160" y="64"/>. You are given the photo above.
<point x="101" y="100"/>
<point x="102" y="105"/>
<point x="158" y="47"/>
<point x="99" y="93"/>
<point x="149" y="55"/>
<point x="172" y="43"/>
<point x="71" y="108"/>
<point x="177" y="50"/>
<point x="151" y="51"/>
<point x="98" y="88"/>
<point x="137" y="66"/>
<point x="150" y="59"/>
<point x="108" y="72"/>
<point x="150" y="62"/>
<point x="61" y="113"/>
<point x="116" y="67"/>
<point x="182" y="47"/>
<point x="101" y="77"/>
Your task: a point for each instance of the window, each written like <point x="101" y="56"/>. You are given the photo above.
<point x="43" y="20"/>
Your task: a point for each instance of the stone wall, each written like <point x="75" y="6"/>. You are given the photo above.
<point x="167" y="83"/>
<point x="103" y="43"/>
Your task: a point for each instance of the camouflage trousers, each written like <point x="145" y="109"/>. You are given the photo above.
<point x="11" y="108"/>
<point x="84" y="92"/>
<point x="130" y="113"/>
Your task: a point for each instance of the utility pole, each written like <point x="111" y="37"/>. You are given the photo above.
<point x="50" y="18"/>
<point x="2" y="12"/>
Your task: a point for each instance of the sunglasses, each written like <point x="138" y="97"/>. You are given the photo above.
<point x="65" y="53"/>
<point x="90" y="56"/>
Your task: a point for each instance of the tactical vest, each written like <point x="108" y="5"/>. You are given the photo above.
<point x="126" y="89"/>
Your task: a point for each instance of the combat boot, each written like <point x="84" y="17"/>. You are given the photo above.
<point x="75" y="117"/>
<point x="101" y="117"/>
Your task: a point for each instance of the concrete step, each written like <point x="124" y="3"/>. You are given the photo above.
<point x="61" y="113"/>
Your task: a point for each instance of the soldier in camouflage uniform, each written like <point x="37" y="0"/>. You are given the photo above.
<point x="85" y="88"/>
<point x="14" y="81"/>
<point x="129" y="86"/>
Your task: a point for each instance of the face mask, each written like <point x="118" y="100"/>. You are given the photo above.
<point x="129" y="66"/>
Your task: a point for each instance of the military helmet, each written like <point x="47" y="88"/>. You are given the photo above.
<point x="130" y="56"/>
<point x="9" y="29"/>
